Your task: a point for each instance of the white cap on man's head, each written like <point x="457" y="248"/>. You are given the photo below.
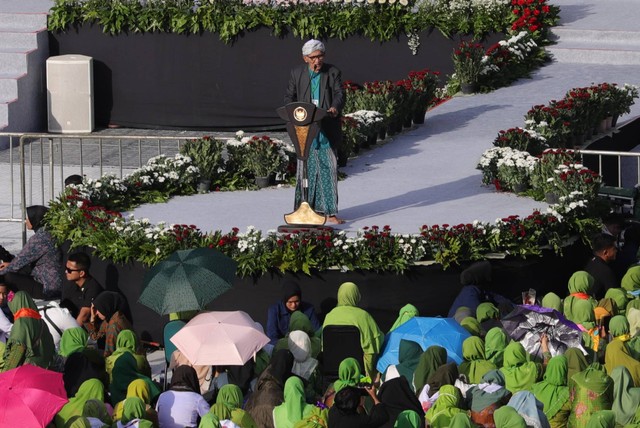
<point x="312" y="46"/>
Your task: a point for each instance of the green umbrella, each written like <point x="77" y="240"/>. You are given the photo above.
<point x="187" y="280"/>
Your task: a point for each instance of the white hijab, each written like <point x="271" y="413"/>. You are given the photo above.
<point x="300" y="347"/>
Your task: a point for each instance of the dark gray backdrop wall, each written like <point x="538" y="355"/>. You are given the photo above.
<point x="430" y="288"/>
<point x="162" y="80"/>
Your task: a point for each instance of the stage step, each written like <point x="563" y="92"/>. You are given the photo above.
<point x="589" y="46"/>
<point x="24" y="48"/>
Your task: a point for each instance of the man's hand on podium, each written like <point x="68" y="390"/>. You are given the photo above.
<point x="332" y="112"/>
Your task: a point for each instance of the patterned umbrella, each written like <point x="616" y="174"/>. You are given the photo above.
<point x="527" y="322"/>
<point x="187" y="280"/>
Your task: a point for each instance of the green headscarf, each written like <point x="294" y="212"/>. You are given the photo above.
<point x="96" y="409"/>
<point x="349" y="374"/>
<point x="508" y="417"/>
<point x="347" y="313"/>
<point x="633" y="316"/>
<point x="317" y="419"/>
<point x="553" y="301"/>
<point x="631" y="279"/>
<point x="91" y="389"/>
<point x="461" y="420"/>
<point x="134" y="408"/>
<point x="481" y="399"/>
<point x="348" y="294"/>
<point x="553" y="391"/>
<point x="633" y="303"/>
<point x="31" y="333"/>
<point x="430" y="360"/>
<point x="594" y="378"/>
<point x="230" y="395"/>
<point x="580" y="311"/>
<point x="229" y="406"/>
<point x="73" y="340"/>
<point x="137" y="388"/>
<point x="475" y="365"/>
<point x="125" y="371"/>
<point x="408" y="419"/>
<point x="209" y="421"/>
<point x="407" y="312"/>
<point x="576" y="362"/>
<point x="127" y="342"/>
<point x="626" y="398"/>
<point x="519" y="373"/>
<point x="619" y="296"/>
<point x="409" y="353"/>
<point x="472" y="326"/>
<point x="78" y="422"/>
<point x="617" y="352"/>
<point x="602" y="419"/>
<point x="581" y="282"/>
<point x="487" y="311"/>
<point x="440" y="414"/>
<point x="294" y="408"/>
<point x="495" y="343"/>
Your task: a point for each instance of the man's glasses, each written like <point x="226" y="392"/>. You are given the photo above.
<point x="315" y="57"/>
<point x="69" y="270"/>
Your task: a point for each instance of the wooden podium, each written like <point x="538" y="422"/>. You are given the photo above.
<point x="303" y="126"/>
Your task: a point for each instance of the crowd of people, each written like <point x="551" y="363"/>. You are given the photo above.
<point x="108" y="379"/>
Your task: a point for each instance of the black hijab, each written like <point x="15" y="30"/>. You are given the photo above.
<point x="478" y="274"/>
<point x="397" y="396"/>
<point x="108" y="303"/>
<point x="446" y="374"/>
<point x="185" y="378"/>
<point x="35" y="214"/>
<point x="289" y="289"/>
<point x="281" y="364"/>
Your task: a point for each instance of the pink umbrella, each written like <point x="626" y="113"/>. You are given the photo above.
<point x="30" y="396"/>
<point x="226" y="338"/>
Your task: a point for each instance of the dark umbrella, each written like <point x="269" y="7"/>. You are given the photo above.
<point x="187" y="280"/>
<point x="527" y="322"/>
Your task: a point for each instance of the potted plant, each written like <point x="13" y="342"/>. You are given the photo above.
<point x="514" y="170"/>
<point x="265" y="158"/>
<point x="467" y="63"/>
<point x="206" y="154"/>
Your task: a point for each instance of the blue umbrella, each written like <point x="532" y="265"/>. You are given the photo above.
<point x="425" y="331"/>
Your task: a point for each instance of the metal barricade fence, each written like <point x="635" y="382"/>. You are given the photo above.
<point x="34" y="166"/>
<point x="627" y="166"/>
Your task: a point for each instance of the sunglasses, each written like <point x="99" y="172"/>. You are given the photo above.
<point x="69" y="270"/>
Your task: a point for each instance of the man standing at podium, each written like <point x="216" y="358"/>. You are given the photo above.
<point x="321" y="84"/>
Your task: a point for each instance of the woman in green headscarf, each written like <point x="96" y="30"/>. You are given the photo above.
<point x="408" y="419"/>
<point x="134" y="410"/>
<point x="553" y="301"/>
<point x="407" y="312"/>
<point x="519" y="372"/>
<point x="487" y="311"/>
<point x="626" y="398"/>
<point x="591" y="390"/>
<point x="579" y="300"/>
<point x="553" y="392"/>
<point x="91" y="389"/>
<point x="495" y="342"/>
<point x="508" y="417"/>
<point x="96" y="412"/>
<point x="461" y="420"/>
<point x="228" y="406"/>
<point x="299" y="321"/>
<point x="475" y="364"/>
<point x="446" y="406"/>
<point x="30" y="341"/>
<point x="486" y="397"/>
<point x="618" y="295"/>
<point x="472" y="326"/>
<point x="409" y="353"/>
<point x="73" y="340"/>
<point x="125" y="371"/>
<point x="349" y="374"/>
<point x="209" y="421"/>
<point x="127" y="342"/>
<point x="631" y="279"/>
<point x="576" y="362"/>
<point x="617" y="352"/>
<point x="430" y="360"/>
<point x="348" y="313"/>
<point x="138" y="388"/>
<point x="633" y="316"/>
<point x="602" y="419"/>
<point x="294" y="408"/>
